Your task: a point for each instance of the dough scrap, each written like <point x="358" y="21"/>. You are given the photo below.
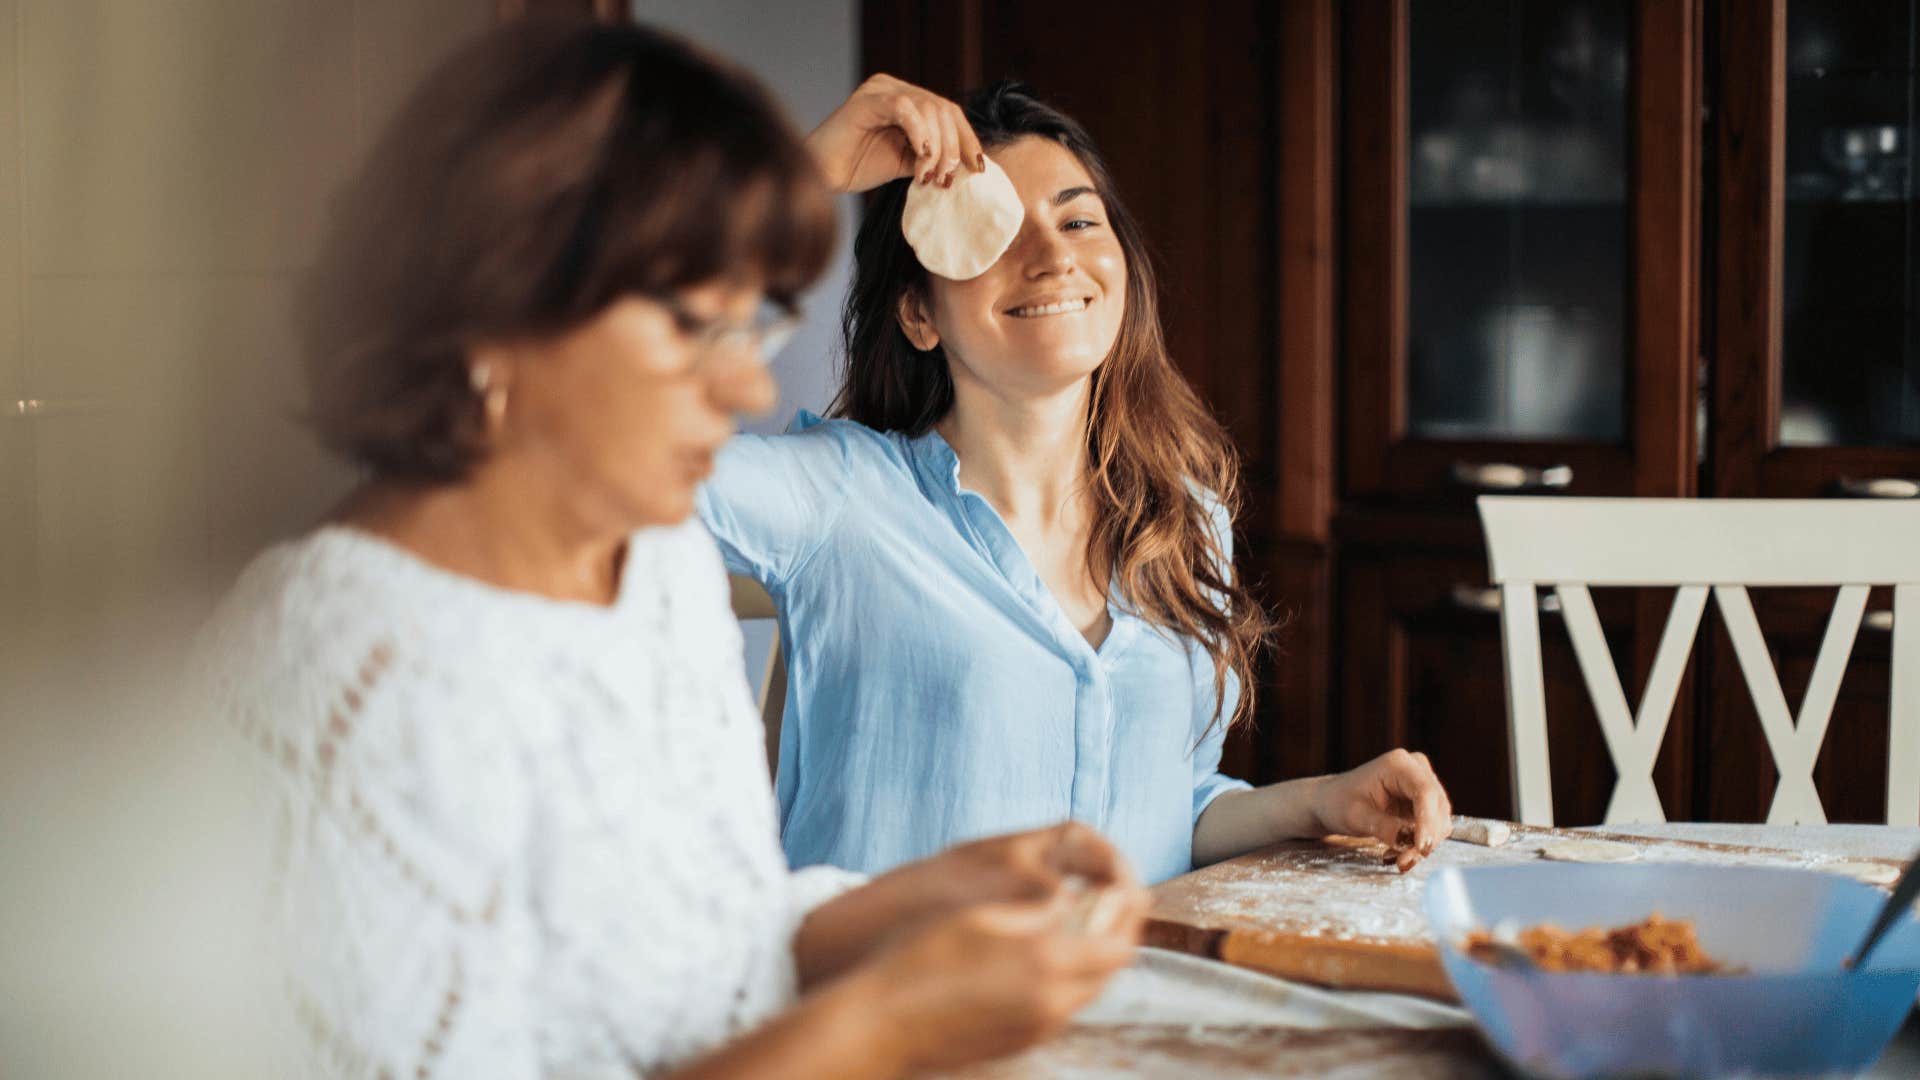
<point x="1870" y="872"/>
<point x="1481" y="831"/>
<point x="1590" y="851"/>
<point x="958" y="232"/>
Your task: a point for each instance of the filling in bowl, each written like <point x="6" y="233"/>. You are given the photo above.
<point x="1654" y="946"/>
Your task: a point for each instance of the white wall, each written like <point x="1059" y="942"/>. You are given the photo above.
<point x="165" y="167"/>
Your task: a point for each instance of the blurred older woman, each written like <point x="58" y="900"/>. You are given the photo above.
<point x="523" y="826"/>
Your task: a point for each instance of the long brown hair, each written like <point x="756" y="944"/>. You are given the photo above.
<point x="1159" y="466"/>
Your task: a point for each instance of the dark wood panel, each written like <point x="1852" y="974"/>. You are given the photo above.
<point x="1189" y="133"/>
<point x="1421" y="671"/>
<point x="1307" y="76"/>
<point x="1374" y="124"/>
<point x="1666" y="201"/>
<point x="1750" y="146"/>
<point x="932" y="43"/>
<point x="1737" y="777"/>
<point x="1295" y="580"/>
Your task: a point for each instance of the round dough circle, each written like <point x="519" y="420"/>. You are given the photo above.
<point x="958" y="232"/>
<point x="1590" y="851"/>
<point x="1871" y="873"/>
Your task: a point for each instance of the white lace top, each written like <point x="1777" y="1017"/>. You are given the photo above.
<point x="513" y="837"/>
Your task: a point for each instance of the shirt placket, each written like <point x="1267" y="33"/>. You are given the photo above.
<point x="1093" y="717"/>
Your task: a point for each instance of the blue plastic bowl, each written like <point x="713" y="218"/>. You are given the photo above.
<point x="1791" y="1012"/>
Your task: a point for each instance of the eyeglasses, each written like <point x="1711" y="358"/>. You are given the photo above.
<point x="771" y="327"/>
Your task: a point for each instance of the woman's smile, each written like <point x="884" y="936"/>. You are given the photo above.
<point x="1040" y="309"/>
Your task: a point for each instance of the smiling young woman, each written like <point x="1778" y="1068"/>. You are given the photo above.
<point x="1004" y="568"/>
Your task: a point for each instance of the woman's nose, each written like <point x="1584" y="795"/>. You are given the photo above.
<point x="1045" y="252"/>
<point x="741" y="385"/>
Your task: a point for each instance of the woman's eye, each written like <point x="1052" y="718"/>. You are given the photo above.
<point x="1078" y="224"/>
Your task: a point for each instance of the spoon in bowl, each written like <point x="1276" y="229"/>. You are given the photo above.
<point x="1904" y="892"/>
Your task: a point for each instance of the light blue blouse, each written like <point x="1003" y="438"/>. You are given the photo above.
<point x="937" y="693"/>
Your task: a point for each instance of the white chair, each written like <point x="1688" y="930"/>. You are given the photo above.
<point x="1696" y="545"/>
<point x="750" y="601"/>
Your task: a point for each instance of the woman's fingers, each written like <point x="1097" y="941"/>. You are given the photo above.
<point x="1391" y="829"/>
<point x="1411" y="811"/>
<point x="948" y="162"/>
<point x="972" y="154"/>
<point x="923" y="134"/>
<point x="1413" y="781"/>
<point x="1079" y="849"/>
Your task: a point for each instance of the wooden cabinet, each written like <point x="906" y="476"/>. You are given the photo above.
<point x="1814" y="339"/>
<point x="1415" y="250"/>
<point x="1519" y="221"/>
<point x="1761" y="135"/>
<point x="1518" y="259"/>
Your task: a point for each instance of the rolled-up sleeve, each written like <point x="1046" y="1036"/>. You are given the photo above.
<point x="774" y="499"/>
<point x="1208" y="781"/>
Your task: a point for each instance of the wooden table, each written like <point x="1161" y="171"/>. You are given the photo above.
<point x="1184" y="1017"/>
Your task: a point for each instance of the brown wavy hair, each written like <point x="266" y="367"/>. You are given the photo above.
<point x="1159" y="465"/>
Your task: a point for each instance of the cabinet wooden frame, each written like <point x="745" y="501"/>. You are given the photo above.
<point x="1748" y="460"/>
<point x="1383" y="459"/>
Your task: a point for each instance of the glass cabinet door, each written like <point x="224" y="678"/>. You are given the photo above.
<point x="1517" y="219"/>
<point x="1815" y="345"/>
<point x="1850" y="358"/>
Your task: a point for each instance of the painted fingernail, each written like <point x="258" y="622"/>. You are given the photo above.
<point x="926" y="148"/>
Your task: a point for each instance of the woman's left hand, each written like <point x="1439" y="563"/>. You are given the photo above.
<point x="889" y="129"/>
<point x="1395" y="798"/>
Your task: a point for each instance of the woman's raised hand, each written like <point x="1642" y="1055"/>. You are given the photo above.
<point x="992" y="979"/>
<point x="889" y="129"/>
<point x="1395" y="798"/>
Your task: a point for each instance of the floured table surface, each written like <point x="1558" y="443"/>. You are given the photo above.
<point x="1336" y="913"/>
<point x="1183" y="1052"/>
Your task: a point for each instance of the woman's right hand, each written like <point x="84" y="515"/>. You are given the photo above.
<point x="888" y="129"/>
<point x="995" y="978"/>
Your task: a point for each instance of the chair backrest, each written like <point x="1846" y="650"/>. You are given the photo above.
<point x="750" y="601"/>
<point x="1699" y="546"/>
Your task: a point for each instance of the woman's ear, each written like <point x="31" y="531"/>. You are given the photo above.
<point x="916" y="322"/>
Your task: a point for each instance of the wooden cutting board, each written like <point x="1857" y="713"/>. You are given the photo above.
<point x="1335" y="913"/>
